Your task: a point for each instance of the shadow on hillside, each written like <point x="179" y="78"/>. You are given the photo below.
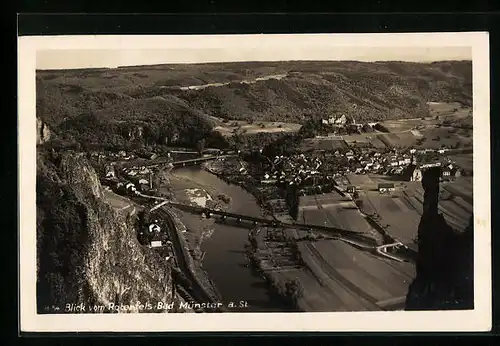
<point x="444" y="265"/>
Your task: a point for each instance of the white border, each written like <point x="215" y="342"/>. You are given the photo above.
<point x="297" y="47"/>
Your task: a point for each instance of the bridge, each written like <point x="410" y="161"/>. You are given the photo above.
<point x="269" y="222"/>
<point x="183" y="163"/>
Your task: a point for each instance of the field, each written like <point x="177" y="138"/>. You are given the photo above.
<point x="376" y="142"/>
<point x="403" y="210"/>
<point x="464" y="161"/>
<point x="350" y="139"/>
<point x="429" y="138"/>
<point x="345" y="279"/>
<point x="361" y="180"/>
<point x="443" y="109"/>
<point x="244" y="127"/>
<point x="396" y="212"/>
<point x="334" y="211"/>
<point x="462" y="187"/>
<point x="408" y="124"/>
<point x="400" y="139"/>
<point x="430" y="131"/>
<point x="437" y="137"/>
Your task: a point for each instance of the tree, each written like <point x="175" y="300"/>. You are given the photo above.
<point x="293" y="290"/>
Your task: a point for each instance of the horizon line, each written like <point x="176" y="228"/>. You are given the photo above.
<point x="252" y="61"/>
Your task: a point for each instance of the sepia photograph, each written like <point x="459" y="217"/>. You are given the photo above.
<point x="162" y="179"/>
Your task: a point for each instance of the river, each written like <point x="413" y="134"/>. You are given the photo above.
<point x="225" y="260"/>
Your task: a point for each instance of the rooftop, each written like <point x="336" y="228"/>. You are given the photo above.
<point x="385" y="185"/>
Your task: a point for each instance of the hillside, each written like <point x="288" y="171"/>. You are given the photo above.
<point x="86" y="252"/>
<point x="158" y="98"/>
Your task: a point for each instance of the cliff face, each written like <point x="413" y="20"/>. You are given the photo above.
<point x="445" y="265"/>
<point x="87" y="253"/>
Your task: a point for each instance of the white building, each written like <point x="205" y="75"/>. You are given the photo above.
<point x="130" y="186"/>
<point x="154" y="228"/>
<point x="156" y="243"/>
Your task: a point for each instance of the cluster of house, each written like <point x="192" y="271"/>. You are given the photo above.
<point x="301" y="170"/>
<point x="338" y="120"/>
<point x="137" y="179"/>
<point x="342" y="122"/>
<point x="316" y="171"/>
<point x="296" y="169"/>
<point x="121" y="155"/>
<point x="389" y="163"/>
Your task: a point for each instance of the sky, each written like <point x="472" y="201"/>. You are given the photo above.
<point x="95" y="58"/>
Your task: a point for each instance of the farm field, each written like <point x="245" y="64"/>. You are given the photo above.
<point x="399" y="139"/>
<point x="361" y="180"/>
<point x="325" y="211"/>
<point x="456" y="209"/>
<point x="354" y="280"/>
<point x="350" y="139"/>
<point x="376" y="142"/>
<point x="407" y="124"/>
<point x="464" y="161"/>
<point x="316" y="297"/>
<point x="229" y="128"/>
<point x="396" y="212"/>
<point x="437" y="137"/>
<point x="433" y="138"/>
<point x="462" y="187"/>
<point x="447" y="108"/>
<point x="327" y="198"/>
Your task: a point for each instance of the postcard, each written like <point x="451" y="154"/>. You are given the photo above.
<point x="319" y="183"/>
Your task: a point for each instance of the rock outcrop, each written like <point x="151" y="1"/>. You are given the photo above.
<point x="88" y="253"/>
<point x="444" y="267"/>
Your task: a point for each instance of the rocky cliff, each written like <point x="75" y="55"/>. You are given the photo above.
<point x="86" y="252"/>
<point x="445" y="266"/>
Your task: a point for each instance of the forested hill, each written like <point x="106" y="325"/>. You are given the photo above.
<point x="147" y="103"/>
